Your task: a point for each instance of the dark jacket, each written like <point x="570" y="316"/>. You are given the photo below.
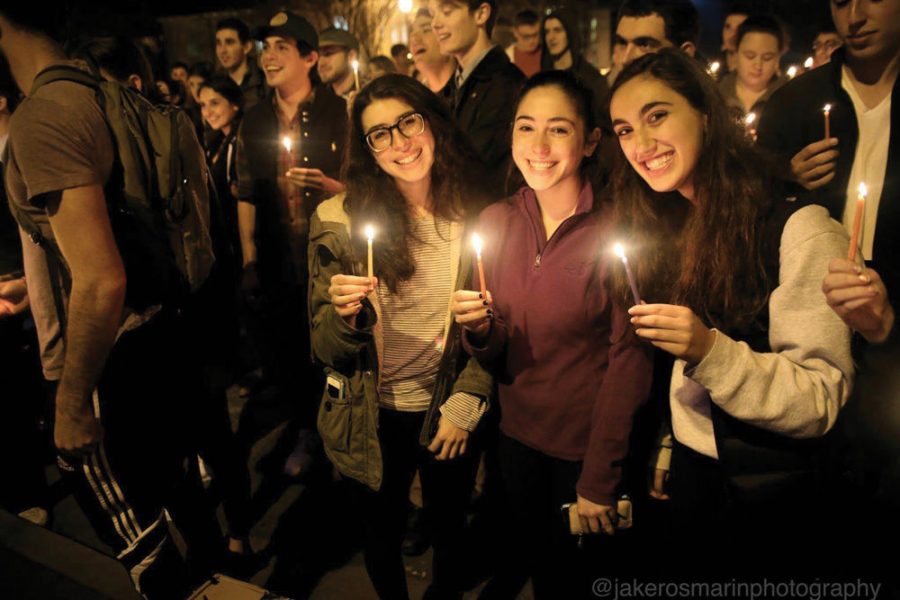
<point x="483" y="108"/>
<point x="793" y="120"/>
<point x="728" y="87"/>
<point x="348" y="415"/>
<point x="254" y="85"/>
<point x="324" y="125"/>
<point x="587" y="73"/>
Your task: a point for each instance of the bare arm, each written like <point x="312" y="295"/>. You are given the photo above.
<point x="81" y="227"/>
<point x="247" y="230"/>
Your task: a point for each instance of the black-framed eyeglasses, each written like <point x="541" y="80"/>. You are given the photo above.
<point x="409" y="125"/>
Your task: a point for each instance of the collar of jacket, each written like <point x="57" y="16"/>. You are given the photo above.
<point x="494" y="61"/>
<point x="336" y="222"/>
<point x="527" y="200"/>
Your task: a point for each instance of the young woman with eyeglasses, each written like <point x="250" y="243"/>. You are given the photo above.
<point x="401" y="394"/>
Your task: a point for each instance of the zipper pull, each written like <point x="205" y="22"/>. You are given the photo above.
<point x="537" y="261"/>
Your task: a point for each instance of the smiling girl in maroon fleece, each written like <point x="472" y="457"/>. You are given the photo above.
<point x="571" y="372"/>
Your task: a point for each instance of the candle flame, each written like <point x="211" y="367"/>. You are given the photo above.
<point x="863" y="190"/>
<point x="619" y="249"/>
<point x="370" y="232"/>
<point x="826" y="109"/>
<point x="476" y="242"/>
<point x="792" y="71"/>
<point x="750" y="118"/>
<point x="808" y="63"/>
<point x="714" y="67"/>
<point x="287" y="143"/>
<point x="355" y="64"/>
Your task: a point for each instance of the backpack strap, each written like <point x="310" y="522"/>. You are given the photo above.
<point x="63" y="73"/>
<point x="60" y="279"/>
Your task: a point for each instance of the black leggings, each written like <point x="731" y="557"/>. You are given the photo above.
<point x="446" y="491"/>
<point x="538" y="544"/>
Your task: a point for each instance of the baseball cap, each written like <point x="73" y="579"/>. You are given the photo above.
<point x="338" y="37"/>
<point x="287" y="24"/>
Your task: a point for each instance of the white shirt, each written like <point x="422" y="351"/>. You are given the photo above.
<point x="869" y="164"/>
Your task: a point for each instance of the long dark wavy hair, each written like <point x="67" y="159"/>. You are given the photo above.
<point x="372" y="195"/>
<point x="583" y="100"/>
<point x="708" y="257"/>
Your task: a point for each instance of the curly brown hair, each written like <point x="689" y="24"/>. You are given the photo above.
<point x="372" y="195"/>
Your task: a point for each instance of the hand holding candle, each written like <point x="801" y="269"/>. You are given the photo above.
<point x="620" y="252"/>
<point x="857" y="220"/>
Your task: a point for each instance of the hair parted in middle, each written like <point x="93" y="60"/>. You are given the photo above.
<point x="709" y="257"/>
<point x="372" y="195"/>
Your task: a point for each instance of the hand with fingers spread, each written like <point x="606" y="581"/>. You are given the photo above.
<point x="347" y="293"/>
<point x="315" y="179"/>
<point x="859" y="297"/>
<point x="473" y="311"/>
<point x="597" y="518"/>
<point x="675" y="329"/>
<point x="814" y="166"/>
<point x="449" y="441"/>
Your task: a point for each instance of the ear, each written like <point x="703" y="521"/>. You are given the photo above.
<point x="312" y="58"/>
<point x="248" y="46"/>
<point x="689" y="48"/>
<point x="482" y="14"/>
<point x="590" y="144"/>
<point x="352" y="55"/>
<point x="4" y="104"/>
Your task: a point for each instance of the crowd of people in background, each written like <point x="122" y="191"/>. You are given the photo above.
<point x="635" y="323"/>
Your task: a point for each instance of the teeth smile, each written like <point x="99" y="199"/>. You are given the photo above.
<point x="660" y="162"/>
<point x="541" y="165"/>
<point x="408" y="159"/>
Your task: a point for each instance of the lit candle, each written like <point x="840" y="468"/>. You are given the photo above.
<point x="405" y="6"/>
<point x="750" y="119"/>
<point x="620" y="252"/>
<point x="714" y="68"/>
<point x="857" y="220"/>
<point x="370" y="235"/>
<point x="476" y="241"/>
<point x="355" y="65"/>
<point x="792" y="72"/>
<point x="808" y="63"/>
<point x="826" y="110"/>
<point x="288" y="146"/>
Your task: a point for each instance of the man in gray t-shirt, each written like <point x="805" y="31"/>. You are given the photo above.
<point x="119" y="376"/>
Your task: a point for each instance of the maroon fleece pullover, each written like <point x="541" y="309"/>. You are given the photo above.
<point x="570" y="369"/>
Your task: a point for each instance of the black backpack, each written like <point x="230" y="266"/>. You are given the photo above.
<point x="158" y="196"/>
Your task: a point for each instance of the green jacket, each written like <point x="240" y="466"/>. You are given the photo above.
<point x="348" y="414"/>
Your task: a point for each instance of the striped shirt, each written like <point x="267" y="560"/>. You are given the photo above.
<point x="413" y="323"/>
<point x="413" y="320"/>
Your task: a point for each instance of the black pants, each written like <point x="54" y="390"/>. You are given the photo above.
<point x="126" y="484"/>
<point x="22" y="445"/>
<point x="538" y="543"/>
<point x="774" y="535"/>
<point x="446" y="491"/>
<point x="279" y="331"/>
